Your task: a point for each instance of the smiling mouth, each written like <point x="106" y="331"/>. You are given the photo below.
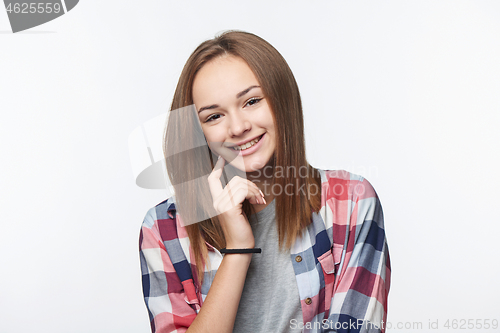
<point x="248" y="144"/>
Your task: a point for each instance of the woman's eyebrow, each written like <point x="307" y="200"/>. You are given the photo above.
<point x="208" y="107"/>
<point x="241" y="93"/>
<point x="238" y="95"/>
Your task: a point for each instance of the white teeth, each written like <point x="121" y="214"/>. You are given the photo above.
<point x="247" y="145"/>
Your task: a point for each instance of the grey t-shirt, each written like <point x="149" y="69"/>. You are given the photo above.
<point x="270" y="298"/>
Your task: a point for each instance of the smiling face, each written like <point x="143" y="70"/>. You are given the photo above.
<point x="234" y="113"/>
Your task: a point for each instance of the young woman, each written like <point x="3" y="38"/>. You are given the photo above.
<point x="279" y="246"/>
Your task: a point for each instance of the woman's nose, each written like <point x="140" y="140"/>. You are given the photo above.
<point x="239" y="125"/>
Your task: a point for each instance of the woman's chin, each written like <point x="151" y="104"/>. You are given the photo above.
<point x="251" y="164"/>
<point x="247" y="168"/>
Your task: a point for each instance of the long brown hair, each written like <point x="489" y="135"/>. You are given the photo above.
<point x="293" y="212"/>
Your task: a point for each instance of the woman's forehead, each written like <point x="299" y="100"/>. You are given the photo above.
<point x="225" y="68"/>
<point x="223" y="76"/>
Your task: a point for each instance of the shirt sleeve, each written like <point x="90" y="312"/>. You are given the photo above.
<point x="164" y="295"/>
<point x="361" y="287"/>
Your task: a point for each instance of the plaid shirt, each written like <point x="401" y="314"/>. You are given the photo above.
<point x="341" y="263"/>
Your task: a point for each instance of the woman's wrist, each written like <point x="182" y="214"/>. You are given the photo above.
<point x="240" y="251"/>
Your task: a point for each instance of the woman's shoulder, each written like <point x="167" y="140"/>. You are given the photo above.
<point x="161" y="219"/>
<point x="345" y="185"/>
<point x="339" y="175"/>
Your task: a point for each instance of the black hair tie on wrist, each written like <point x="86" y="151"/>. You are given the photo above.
<point x="240" y="251"/>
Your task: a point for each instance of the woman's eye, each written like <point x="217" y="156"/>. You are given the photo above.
<point x="212" y="117"/>
<point x="253" y="101"/>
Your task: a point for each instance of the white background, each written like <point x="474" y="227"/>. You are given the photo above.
<point x="405" y="93"/>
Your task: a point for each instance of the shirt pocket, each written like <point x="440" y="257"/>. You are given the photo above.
<point x="330" y="262"/>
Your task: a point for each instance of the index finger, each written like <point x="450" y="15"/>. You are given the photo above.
<point x="214" y="178"/>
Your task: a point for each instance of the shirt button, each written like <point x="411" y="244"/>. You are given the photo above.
<point x="298" y="258"/>
<point x="308" y="301"/>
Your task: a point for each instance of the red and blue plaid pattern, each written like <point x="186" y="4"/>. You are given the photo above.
<point x="343" y="274"/>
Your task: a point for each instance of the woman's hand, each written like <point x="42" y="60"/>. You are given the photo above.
<point x="228" y="203"/>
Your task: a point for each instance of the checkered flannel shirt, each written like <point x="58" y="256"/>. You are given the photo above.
<point x="343" y="273"/>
